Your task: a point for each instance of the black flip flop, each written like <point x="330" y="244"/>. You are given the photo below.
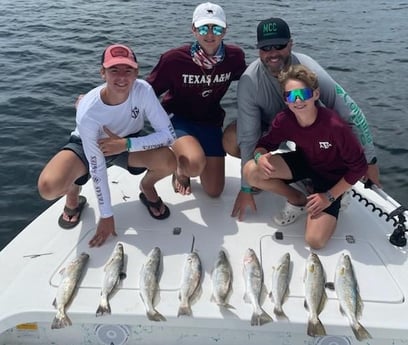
<point x="156" y="205"/>
<point x="71" y="212"/>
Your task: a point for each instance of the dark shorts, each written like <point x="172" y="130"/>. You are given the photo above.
<point x="75" y="145"/>
<point x="209" y="137"/>
<point x="300" y="171"/>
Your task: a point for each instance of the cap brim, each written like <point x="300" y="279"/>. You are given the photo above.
<point x="209" y="21"/>
<point x="272" y="42"/>
<point x="119" y="61"/>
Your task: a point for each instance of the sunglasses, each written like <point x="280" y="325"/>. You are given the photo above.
<point x="302" y="94"/>
<point x="216" y="30"/>
<point x="274" y="46"/>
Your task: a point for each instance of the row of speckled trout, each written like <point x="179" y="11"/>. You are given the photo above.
<point x="345" y="284"/>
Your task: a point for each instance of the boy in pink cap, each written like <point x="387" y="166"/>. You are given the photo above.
<point x="110" y="121"/>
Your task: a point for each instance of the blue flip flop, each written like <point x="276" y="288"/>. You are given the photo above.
<point x="156" y="205"/>
<point x="71" y="212"/>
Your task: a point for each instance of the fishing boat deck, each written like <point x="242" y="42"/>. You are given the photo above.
<point x="31" y="263"/>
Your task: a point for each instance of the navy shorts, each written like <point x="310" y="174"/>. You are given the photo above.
<point x="75" y="145"/>
<point x="209" y="137"/>
<point x="300" y="170"/>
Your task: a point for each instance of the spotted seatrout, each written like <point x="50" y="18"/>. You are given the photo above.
<point x="113" y="274"/>
<point x="351" y="304"/>
<point x="71" y="275"/>
<point x="253" y="276"/>
<point x="315" y="295"/>
<point x="280" y="285"/>
<point x="221" y="278"/>
<point x="190" y="283"/>
<point x="149" y="283"/>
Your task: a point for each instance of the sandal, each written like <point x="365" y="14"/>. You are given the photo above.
<point x="71" y="212"/>
<point x="156" y="205"/>
<point x="185" y="182"/>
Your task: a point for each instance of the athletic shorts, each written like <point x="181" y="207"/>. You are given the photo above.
<point x="209" y="137"/>
<point x="300" y="171"/>
<point x="75" y="145"/>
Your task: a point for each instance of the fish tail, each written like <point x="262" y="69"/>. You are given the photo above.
<point x="184" y="309"/>
<point x="280" y="314"/>
<point x="260" y="317"/>
<point x="360" y="332"/>
<point x="104" y="307"/>
<point x="226" y="305"/>
<point x="154" y="315"/>
<point x="61" y="320"/>
<point x="315" y="328"/>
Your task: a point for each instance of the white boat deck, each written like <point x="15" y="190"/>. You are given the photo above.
<point x="30" y="267"/>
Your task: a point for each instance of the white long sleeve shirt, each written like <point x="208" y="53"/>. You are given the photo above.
<point x="124" y="119"/>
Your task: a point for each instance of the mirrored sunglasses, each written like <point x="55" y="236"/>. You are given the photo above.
<point x="216" y="30"/>
<point x="274" y="46"/>
<point x="302" y="94"/>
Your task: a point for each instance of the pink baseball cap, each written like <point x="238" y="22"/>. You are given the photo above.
<point x="118" y="54"/>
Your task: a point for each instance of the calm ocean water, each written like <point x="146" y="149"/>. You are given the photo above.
<point x="50" y="53"/>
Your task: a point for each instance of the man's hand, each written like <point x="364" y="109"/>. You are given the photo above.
<point x="243" y="201"/>
<point x="373" y="174"/>
<point x="106" y="227"/>
<point x="113" y="145"/>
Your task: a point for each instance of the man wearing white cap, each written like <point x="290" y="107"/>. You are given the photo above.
<point x="192" y="80"/>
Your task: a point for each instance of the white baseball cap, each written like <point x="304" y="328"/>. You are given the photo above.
<point x="209" y="13"/>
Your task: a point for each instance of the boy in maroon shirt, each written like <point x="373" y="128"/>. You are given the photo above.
<point x="327" y="152"/>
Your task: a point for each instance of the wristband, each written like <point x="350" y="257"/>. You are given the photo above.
<point x="128" y="144"/>
<point x="330" y="197"/>
<point x="257" y="156"/>
<point x="246" y="190"/>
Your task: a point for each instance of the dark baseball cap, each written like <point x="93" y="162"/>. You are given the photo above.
<point x="272" y="31"/>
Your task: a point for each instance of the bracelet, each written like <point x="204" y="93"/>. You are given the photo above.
<point x="246" y="190"/>
<point x="257" y="156"/>
<point x="330" y="197"/>
<point x="128" y="144"/>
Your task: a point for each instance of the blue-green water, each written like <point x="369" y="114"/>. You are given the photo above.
<point x="50" y="53"/>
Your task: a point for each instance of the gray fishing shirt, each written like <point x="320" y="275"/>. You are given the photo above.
<point x="260" y="98"/>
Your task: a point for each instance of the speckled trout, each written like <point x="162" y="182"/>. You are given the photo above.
<point x="71" y="275"/>
<point x="253" y="276"/>
<point x="351" y="304"/>
<point x="190" y="282"/>
<point x="149" y="283"/>
<point x="280" y="284"/>
<point x="315" y="294"/>
<point x="113" y="274"/>
<point x="221" y="278"/>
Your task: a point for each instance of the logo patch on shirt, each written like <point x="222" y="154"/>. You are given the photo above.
<point x="135" y="112"/>
<point x="324" y="145"/>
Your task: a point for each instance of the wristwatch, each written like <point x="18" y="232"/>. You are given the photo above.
<point x="330" y="197"/>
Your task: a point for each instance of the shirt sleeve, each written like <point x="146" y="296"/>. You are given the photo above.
<point x="163" y="132"/>
<point x="249" y="127"/>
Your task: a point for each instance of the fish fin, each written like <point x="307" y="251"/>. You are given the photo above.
<point x="260" y="319"/>
<point x="61" y="320"/>
<point x="315" y="328"/>
<point x="280" y="314"/>
<point x="306" y="305"/>
<point x="359" y="307"/>
<point x="54" y="303"/>
<point x="154" y="315"/>
<point x="246" y="298"/>
<point x="322" y="302"/>
<point x="270" y="295"/>
<point x="103" y="308"/>
<point x="360" y="332"/>
<point x="329" y="285"/>
<point x="122" y="275"/>
<point x="184" y="310"/>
